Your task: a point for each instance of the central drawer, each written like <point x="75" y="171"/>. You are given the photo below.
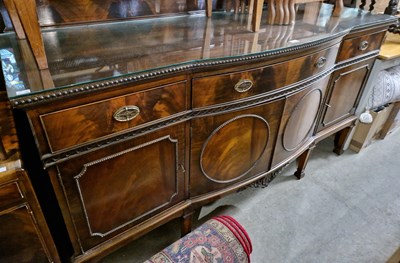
<point x="73" y="126"/>
<point x="229" y="87"/>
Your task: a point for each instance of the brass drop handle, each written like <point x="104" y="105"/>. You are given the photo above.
<point x="363" y="45"/>
<point x="126" y="113"/>
<point x="243" y="85"/>
<point x="320" y="62"/>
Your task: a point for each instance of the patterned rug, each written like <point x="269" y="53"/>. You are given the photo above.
<point x="219" y="240"/>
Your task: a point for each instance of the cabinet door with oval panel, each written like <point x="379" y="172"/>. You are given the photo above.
<point x="298" y="121"/>
<point x="229" y="147"/>
<point x="118" y="187"/>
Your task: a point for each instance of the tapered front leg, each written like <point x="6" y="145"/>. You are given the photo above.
<point x="302" y="161"/>
<point x="340" y="139"/>
<point x="186" y="223"/>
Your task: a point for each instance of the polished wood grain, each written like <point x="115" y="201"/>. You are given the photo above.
<point x="104" y="96"/>
<point x="239" y="144"/>
<point x="8" y="132"/>
<point x="298" y="120"/>
<point x="157" y="158"/>
<point x="205" y="132"/>
<point x="221" y="88"/>
<point x="9" y="193"/>
<point x="344" y="92"/>
<point x="20" y="240"/>
<point x="354" y="47"/>
<point x="229" y="140"/>
<point x="153" y="104"/>
<point x="24" y="233"/>
<point x="296" y="132"/>
<point x="120" y="186"/>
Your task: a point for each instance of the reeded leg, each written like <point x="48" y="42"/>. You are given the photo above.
<point x="302" y="161"/>
<point x="340" y="139"/>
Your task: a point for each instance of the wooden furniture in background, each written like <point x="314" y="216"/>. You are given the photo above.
<point x="24" y="17"/>
<point x="24" y="234"/>
<point x="392" y="8"/>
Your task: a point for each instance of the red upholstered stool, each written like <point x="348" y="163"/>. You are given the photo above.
<point x="221" y="239"/>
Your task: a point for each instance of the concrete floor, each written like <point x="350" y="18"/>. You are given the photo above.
<point x="346" y="209"/>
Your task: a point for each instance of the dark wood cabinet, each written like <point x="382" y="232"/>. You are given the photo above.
<point x="298" y="122"/>
<point x="24" y="232"/>
<point x="146" y="120"/>
<point x="229" y="147"/>
<point x="24" y="236"/>
<point x="110" y="190"/>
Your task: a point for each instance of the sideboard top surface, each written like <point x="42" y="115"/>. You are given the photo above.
<point x="97" y="55"/>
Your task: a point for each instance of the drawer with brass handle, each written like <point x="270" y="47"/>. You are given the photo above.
<point x="360" y="45"/>
<point x="222" y="88"/>
<point x="126" y="113"/>
<point x="243" y="85"/>
<point x="73" y="126"/>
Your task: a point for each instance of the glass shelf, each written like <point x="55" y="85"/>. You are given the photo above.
<point x="98" y="52"/>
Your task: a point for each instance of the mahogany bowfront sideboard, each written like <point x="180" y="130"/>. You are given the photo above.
<point x="139" y="122"/>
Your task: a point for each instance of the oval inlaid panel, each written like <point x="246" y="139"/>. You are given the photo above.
<point x="234" y="148"/>
<point x="302" y="120"/>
